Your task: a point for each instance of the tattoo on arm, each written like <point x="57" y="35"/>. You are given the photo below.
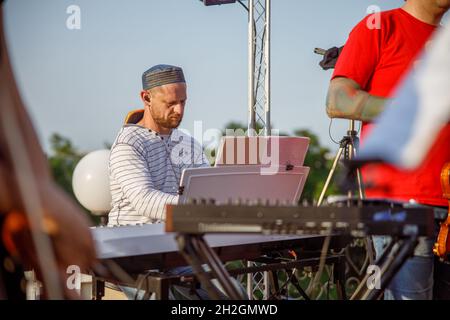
<point x="346" y="100"/>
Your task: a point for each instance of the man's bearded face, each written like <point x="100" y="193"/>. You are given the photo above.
<point x="167" y="104"/>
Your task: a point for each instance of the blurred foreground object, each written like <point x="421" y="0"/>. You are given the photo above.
<point x="41" y="228"/>
<point x="442" y="245"/>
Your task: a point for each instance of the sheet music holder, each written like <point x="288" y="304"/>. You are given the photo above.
<point x="243" y="183"/>
<point x="243" y="150"/>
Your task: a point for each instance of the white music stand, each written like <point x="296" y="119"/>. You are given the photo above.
<point x="242" y="150"/>
<point x="245" y="183"/>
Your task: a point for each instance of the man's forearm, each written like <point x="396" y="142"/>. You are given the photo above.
<point x="346" y="100"/>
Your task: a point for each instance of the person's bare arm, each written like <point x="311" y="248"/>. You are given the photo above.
<point x="346" y="100"/>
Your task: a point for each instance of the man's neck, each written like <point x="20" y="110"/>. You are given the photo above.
<point x="423" y="12"/>
<point x="148" y="122"/>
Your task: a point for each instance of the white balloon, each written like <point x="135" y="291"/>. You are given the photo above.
<point x="90" y="182"/>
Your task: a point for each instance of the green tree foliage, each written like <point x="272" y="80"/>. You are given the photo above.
<point x="62" y="160"/>
<point x="316" y="159"/>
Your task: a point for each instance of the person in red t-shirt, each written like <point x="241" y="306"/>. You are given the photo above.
<point x="379" y="51"/>
<point x="370" y="66"/>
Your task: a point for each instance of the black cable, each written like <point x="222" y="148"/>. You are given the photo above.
<point x="331" y="136"/>
<point x="297" y="286"/>
<point x="280" y="290"/>
<point x="288" y="280"/>
<point x="329" y="132"/>
<point x="242" y="4"/>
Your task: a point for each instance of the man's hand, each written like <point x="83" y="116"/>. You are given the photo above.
<point x="346" y="100"/>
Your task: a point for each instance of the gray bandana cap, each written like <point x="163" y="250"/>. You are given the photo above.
<point x="160" y="75"/>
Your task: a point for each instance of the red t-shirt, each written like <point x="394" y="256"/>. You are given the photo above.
<point x="377" y="59"/>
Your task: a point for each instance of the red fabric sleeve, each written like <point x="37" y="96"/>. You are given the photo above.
<point x="360" y="56"/>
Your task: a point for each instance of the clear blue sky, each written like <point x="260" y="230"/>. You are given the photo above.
<point x="81" y="83"/>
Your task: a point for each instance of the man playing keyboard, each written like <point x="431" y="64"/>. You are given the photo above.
<point x="150" y="153"/>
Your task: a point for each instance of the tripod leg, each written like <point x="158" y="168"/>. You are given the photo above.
<point x="330" y="175"/>
<point x="358" y="174"/>
<point x="360" y="184"/>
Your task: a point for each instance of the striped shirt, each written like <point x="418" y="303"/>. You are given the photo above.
<point x="145" y="171"/>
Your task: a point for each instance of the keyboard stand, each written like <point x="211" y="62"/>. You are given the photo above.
<point x="393" y="258"/>
<point x="198" y="253"/>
